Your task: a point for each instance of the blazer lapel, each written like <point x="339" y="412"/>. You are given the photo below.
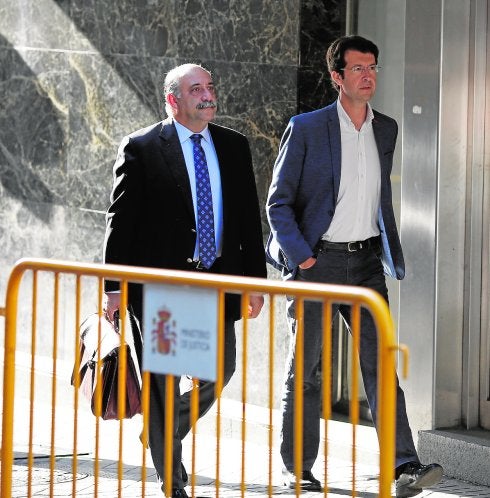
<point x="333" y="125"/>
<point x="174" y="158"/>
<point x="224" y="154"/>
<point x="220" y="146"/>
<point x="384" y="141"/>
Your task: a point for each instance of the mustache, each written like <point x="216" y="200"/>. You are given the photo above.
<point x="206" y="105"/>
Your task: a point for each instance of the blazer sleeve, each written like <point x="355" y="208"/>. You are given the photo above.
<point x="287" y="245"/>
<point x="252" y="242"/>
<point x="122" y="215"/>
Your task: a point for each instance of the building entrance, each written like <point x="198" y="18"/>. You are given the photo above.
<point x="476" y="336"/>
<point x="485" y="300"/>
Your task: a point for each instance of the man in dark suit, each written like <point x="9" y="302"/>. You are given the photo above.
<point x="332" y="221"/>
<point x="159" y="218"/>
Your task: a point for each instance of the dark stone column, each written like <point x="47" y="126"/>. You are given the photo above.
<point x="321" y="22"/>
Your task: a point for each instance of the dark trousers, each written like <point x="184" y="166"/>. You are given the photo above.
<point x="362" y="268"/>
<point x="182" y="405"/>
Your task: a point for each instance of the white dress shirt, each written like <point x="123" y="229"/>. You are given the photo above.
<point x="356" y="212"/>
<point x="214" y="178"/>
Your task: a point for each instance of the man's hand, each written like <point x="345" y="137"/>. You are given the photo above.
<point x="308" y="263"/>
<point x="255" y="304"/>
<point x="112" y="301"/>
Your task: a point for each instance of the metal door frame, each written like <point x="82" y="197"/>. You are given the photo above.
<point x="484" y="418"/>
<point x="475" y="392"/>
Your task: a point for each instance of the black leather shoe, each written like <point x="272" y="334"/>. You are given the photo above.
<point x="308" y="481"/>
<point x="179" y="493"/>
<point x="185" y="477"/>
<point x="413" y="477"/>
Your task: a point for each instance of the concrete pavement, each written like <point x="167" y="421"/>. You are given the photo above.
<point x="256" y="462"/>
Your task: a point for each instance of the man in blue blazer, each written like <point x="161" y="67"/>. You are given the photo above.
<point x="331" y="217"/>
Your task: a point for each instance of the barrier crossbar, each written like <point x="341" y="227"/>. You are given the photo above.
<point x="328" y="295"/>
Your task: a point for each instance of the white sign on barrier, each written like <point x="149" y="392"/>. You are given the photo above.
<point x="180" y="326"/>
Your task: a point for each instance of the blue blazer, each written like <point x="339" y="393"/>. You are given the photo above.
<point x="305" y="185"/>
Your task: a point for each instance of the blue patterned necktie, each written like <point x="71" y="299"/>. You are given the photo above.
<point x="205" y="215"/>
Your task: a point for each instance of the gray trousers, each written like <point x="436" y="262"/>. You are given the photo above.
<point x="182" y="406"/>
<point x="363" y="268"/>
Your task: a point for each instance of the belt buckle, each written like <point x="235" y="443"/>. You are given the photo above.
<point x="199" y="265"/>
<point x="354" y="246"/>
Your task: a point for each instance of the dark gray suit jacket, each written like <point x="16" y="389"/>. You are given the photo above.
<point x="151" y="221"/>
<point x="305" y="185"/>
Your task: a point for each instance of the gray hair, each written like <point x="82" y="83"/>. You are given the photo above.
<point x="171" y="85"/>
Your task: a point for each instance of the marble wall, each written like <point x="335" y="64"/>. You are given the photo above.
<point x="322" y="21"/>
<point x="77" y="75"/>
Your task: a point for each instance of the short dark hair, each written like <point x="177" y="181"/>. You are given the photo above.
<point x="336" y="51"/>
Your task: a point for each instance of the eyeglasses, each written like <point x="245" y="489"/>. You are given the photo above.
<point x="358" y="69"/>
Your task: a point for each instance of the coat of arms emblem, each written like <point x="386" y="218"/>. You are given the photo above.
<point x="164" y="335"/>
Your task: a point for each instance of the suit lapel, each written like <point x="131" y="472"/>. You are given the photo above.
<point x="333" y="125"/>
<point x="174" y="158"/>
<point x="226" y="159"/>
<point x="223" y="150"/>
<point x="384" y="141"/>
<point x="219" y="145"/>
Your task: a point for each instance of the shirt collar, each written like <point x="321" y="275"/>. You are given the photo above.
<point x="184" y="133"/>
<point x="345" y="120"/>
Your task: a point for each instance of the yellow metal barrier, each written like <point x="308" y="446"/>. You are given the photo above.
<point x="326" y="294"/>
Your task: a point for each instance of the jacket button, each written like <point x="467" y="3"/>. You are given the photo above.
<point x="189" y="260"/>
<point x="193" y="230"/>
